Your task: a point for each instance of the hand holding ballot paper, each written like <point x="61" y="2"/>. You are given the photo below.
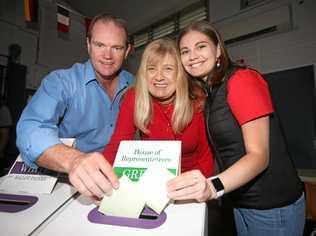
<point x="145" y="168"/>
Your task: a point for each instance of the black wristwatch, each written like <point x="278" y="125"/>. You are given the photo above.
<point x="218" y="186"/>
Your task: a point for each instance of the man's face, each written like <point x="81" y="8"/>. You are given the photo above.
<point x="107" y="49"/>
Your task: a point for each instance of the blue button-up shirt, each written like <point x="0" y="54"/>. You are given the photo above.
<point x="69" y="103"/>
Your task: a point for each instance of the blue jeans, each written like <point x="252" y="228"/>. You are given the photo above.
<point x="284" y="221"/>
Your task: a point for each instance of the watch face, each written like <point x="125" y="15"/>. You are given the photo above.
<point x="218" y="185"/>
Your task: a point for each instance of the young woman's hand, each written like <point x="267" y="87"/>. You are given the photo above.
<point x="191" y="185"/>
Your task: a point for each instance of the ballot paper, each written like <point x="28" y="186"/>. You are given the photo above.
<point x="145" y="168"/>
<point x="126" y="201"/>
<point x="154" y="182"/>
<point x="23" y="179"/>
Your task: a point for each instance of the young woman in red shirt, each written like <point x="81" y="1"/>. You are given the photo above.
<point x="249" y="147"/>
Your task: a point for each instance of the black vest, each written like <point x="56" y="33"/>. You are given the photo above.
<point x="276" y="186"/>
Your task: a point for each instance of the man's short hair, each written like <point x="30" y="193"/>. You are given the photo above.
<point x="104" y="17"/>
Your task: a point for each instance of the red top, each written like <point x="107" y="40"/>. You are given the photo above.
<point x="248" y="96"/>
<point x="196" y="153"/>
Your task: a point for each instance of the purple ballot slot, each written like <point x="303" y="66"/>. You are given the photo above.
<point x="148" y="219"/>
<point x="15" y="203"/>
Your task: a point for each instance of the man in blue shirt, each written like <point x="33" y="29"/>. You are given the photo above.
<point x="81" y="102"/>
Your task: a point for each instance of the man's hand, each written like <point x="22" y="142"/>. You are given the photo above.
<point x="190" y="185"/>
<point x="92" y="175"/>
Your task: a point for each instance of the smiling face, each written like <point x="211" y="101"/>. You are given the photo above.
<point x="161" y="77"/>
<point x="107" y="49"/>
<point x="198" y="54"/>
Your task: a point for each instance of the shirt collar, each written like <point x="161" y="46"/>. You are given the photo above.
<point x="90" y="75"/>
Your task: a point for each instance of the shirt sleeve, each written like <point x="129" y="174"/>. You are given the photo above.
<point x="37" y="128"/>
<point x="248" y="96"/>
<point x="125" y="128"/>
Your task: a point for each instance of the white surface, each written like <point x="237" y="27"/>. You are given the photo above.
<point x="182" y="219"/>
<point x="28" y="181"/>
<point x="307" y="175"/>
<point x="30" y="184"/>
<point x="148" y="153"/>
<point x="24" y="222"/>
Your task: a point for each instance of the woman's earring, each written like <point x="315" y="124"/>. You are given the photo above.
<point x="218" y="63"/>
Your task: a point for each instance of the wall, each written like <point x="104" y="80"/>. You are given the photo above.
<point x="133" y="60"/>
<point x="281" y="51"/>
<point x="277" y="52"/>
<point x="43" y="49"/>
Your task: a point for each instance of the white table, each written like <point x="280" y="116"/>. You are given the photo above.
<point x="26" y="221"/>
<point x="72" y="219"/>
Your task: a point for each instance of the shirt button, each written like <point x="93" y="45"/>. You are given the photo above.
<point x="111" y="125"/>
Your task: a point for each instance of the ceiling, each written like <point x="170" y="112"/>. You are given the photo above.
<point x="137" y="13"/>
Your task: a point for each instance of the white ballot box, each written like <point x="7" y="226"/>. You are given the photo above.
<point x="22" y="179"/>
<point x="17" y="218"/>
<point x="29" y="196"/>
<point x="80" y="217"/>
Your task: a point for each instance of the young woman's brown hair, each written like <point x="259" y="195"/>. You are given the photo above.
<point x="224" y="61"/>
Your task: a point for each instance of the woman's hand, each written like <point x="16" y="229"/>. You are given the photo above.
<point x="191" y="185"/>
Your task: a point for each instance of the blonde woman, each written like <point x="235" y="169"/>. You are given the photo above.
<point x="160" y="108"/>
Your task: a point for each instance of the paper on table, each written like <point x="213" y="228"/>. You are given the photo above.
<point x="126" y="201"/>
<point x="22" y="179"/>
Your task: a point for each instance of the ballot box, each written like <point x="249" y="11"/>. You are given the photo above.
<point x="22" y="213"/>
<point x="80" y="217"/>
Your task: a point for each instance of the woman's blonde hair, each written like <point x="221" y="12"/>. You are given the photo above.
<point x="183" y="108"/>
